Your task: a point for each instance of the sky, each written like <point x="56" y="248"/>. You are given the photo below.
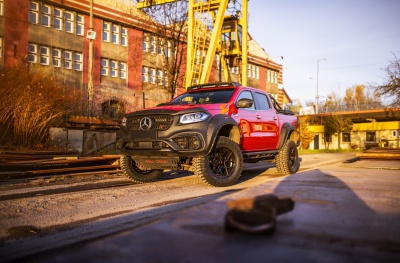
<point x="356" y="37"/>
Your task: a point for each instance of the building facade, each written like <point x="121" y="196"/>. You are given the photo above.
<point x="371" y="128"/>
<point x="56" y="35"/>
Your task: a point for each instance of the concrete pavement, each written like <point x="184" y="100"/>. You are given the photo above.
<point x="343" y="213"/>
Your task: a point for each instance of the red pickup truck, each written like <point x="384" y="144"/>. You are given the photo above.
<point x="212" y="129"/>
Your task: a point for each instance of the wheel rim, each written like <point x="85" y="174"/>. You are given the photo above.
<point x="292" y="157"/>
<point x="222" y="162"/>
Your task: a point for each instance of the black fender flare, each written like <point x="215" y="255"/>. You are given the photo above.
<point x="286" y="130"/>
<point x="214" y="127"/>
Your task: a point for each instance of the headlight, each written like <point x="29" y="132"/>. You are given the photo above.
<point x="193" y="117"/>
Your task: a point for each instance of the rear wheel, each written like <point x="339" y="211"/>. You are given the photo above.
<point x="223" y="166"/>
<point x="287" y="160"/>
<point x="138" y="174"/>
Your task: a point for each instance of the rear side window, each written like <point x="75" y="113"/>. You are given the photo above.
<point x="262" y="101"/>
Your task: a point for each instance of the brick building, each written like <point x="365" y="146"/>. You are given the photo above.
<point x="53" y="34"/>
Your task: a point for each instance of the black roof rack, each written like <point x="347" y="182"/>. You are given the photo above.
<point x="213" y="85"/>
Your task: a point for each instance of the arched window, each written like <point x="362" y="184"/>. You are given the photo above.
<point x="113" y="108"/>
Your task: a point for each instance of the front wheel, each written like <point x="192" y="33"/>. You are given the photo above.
<point x="138" y="174"/>
<point x="287" y="160"/>
<point x="223" y="166"/>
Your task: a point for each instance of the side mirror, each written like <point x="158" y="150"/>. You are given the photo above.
<point x="244" y="103"/>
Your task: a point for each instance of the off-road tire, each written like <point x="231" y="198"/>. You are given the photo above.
<point x="287" y="160"/>
<point x="135" y="174"/>
<point x="223" y="166"/>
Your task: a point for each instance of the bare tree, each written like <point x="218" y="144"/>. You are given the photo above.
<point x="391" y="87"/>
<point x="333" y="103"/>
<point x="169" y="29"/>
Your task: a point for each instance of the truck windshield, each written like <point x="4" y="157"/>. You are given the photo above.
<point x="204" y="97"/>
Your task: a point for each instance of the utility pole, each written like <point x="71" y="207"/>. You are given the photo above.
<point x="90" y="70"/>
<point x="316" y="97"/>
<point x="245" y="41"/>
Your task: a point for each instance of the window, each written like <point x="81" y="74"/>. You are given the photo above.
<point x="44" y="55"/>
<point x="78" y="59"/>
<point x="145" y="44"/>
<point x="165" y="78"/>
<point x="370" y="136"/>
<point x="79" y="25"/>
<point x="246" y="95"/>
<point x="33" y="12"/>
<point x="57" y="20"/>
<point x="113" y="68"/>
<point x="45" y="16"/>
<point x="252" y="71"/>
<point x="69" y="22"/>
<point x="32" y="53"/>
<point x="262" y="101"/>
<point x="106" y="31"/>
<point x="159" y="47"/>
<point x="257" y="72"/>
<point x="115" y="34"/>
<point x="1" y="7"/>
<point x="159" y="77"/>
<point x="67" y="59"/>
<point x="104" y="67"/>
<point x="56" y="57"/>
<point x="152" y="45"/>
<point x="145" y="74"/>
<point x="167" y="49"/>
<point x="124" y="36"/>
<point x="396" y="133"/>
<point x="346" y="137"/>
<point x="122" y="70"/>
<point x="151" y="75"/>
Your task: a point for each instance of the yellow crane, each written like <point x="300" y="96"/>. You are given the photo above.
<point x="228" y="36"/>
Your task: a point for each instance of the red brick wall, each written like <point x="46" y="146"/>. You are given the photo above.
<point x="15" y="31"/>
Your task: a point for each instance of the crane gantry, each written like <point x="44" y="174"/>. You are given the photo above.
<point x="228" y="36"/>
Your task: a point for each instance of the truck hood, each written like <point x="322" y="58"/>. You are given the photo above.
<point x="182" y="109"/>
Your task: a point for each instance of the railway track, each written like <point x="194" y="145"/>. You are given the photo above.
<point x="30" y="165"/>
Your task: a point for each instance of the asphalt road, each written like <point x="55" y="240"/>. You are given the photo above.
<point x="344" y="212"/>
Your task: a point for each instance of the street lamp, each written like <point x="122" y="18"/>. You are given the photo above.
<point x="316" y="97"/>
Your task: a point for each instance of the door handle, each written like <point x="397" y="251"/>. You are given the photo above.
<point x="259" y="117"/>
<point x="275" y="117"/>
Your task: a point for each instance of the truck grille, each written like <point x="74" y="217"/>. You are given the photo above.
<point x="159" y="122"/>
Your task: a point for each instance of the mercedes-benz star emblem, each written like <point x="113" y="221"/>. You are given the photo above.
<point x="145" y="123"/>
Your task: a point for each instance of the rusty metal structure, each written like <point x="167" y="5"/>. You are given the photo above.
<point x="210" y="28"/>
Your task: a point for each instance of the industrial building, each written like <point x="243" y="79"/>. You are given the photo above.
<point x="56" y="35"/>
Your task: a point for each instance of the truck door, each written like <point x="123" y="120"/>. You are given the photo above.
<point x="250" y="121"/>
<point x="270" y="122"/>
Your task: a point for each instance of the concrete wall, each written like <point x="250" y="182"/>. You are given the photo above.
<point x="80" y="140"/>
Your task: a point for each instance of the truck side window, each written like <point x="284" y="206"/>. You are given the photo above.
<point x="247" y="95"/>
<point x="262" y="101"/>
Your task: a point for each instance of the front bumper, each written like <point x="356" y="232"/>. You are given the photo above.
<point x="188" y="140"/>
